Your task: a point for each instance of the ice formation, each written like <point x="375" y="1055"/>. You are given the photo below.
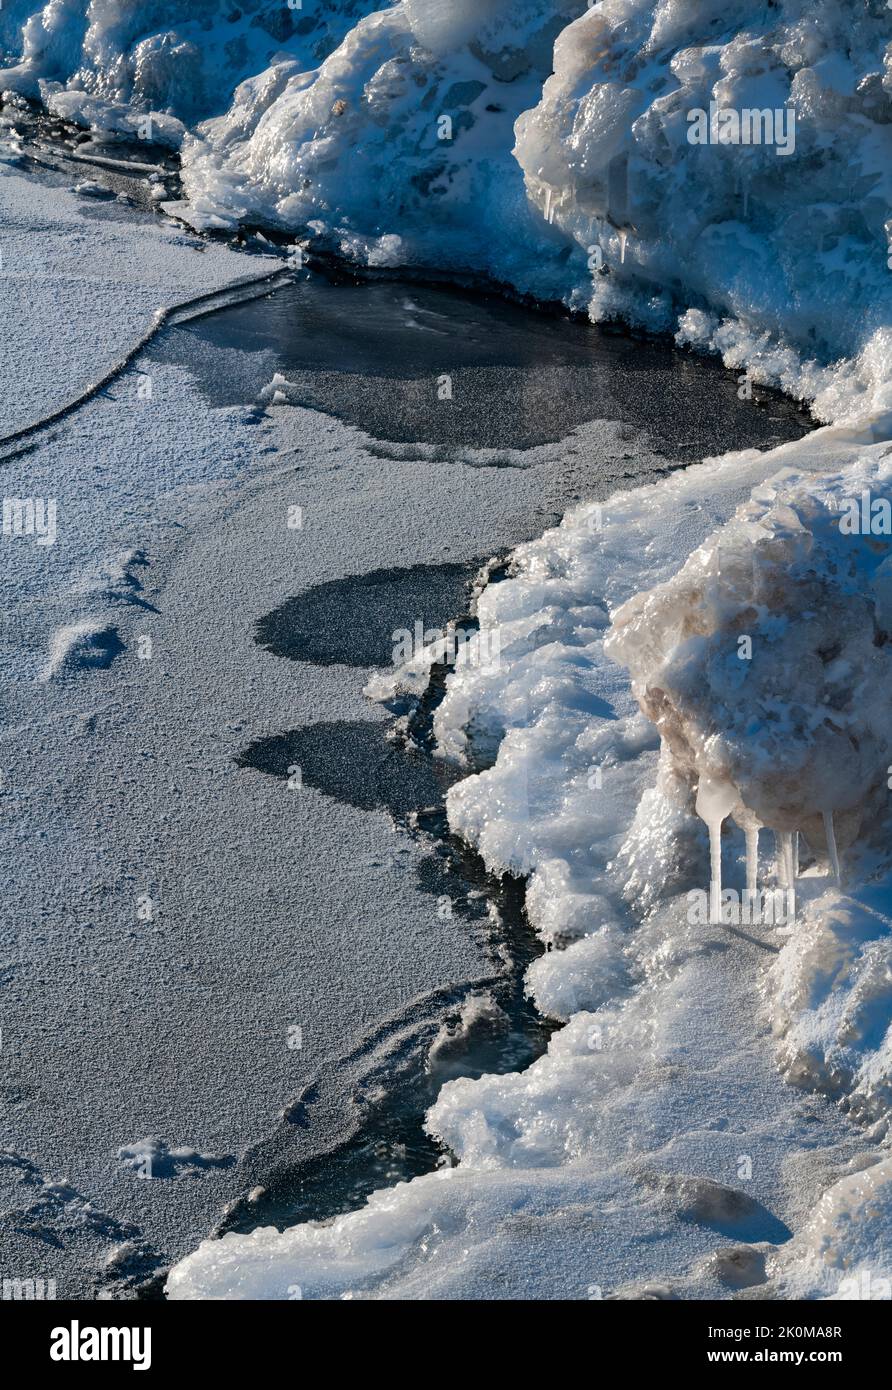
<point x="549" y="145"/>
<point x="572" y="791"/>
<point x="108" y="63"/>
<point x="397" y="149"/>
<point x="766" y="661"/>
<point x="845" y="1251"/>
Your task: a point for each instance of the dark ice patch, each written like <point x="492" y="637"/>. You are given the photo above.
<point x="355" y="763"/>
<point x="352" y="621"/>
<point x="374" y="355"/>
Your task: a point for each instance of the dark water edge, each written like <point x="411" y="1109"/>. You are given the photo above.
<point x="390" y="765"/>
<point x="56" y="151"/>
<point x="450" y="375"/>
<point x="524" y="372"/>
<point x="390" y="1144"/>
<point x="377" y="765"/>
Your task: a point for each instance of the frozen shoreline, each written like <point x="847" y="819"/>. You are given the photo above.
<point x="779" y="265"/>
<point x="566" y="168"/>
<point x="669" y="1035"/>
<point x="125" y="1037"/>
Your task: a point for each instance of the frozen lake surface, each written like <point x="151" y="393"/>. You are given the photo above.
<point x="181" y="909"/>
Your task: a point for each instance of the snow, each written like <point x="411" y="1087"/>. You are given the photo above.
<point x="545" y="143"/>
<point x="87" y="643"/>
<point x="171" y="525"/>
<point x="77" y="297"/>
<point x="109" y="64"/>
<point x="845" y="1251"/>
<point x="585" y="155"/>
<point x="830" y="999"/>
<point x="778" y="262"/>
<point x="764" y="662"/>
<point x="154" y="1158"/>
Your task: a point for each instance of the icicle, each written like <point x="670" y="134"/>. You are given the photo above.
<point x="715" y="870"/>
<point x="780" y="842"/>
<point x="789" y="874"/>
<point x="714" y="802"/>
<point x="831" y="843"/>
<point x="752" y="858"/>
<point x="548" y="206"/>
<point x="795" y="855"/>
<point x="623" y="237"/>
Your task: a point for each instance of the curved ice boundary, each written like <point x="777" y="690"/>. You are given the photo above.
<point x="709" y="168"/>
<point x="580" y="1171"/>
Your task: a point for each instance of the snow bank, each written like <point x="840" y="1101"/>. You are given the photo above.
<point x="830" y="997"/>
<point x="639" y="148"/>
<point x="844" y="1253"/>
<point x="550" y="145"/>
<point x="107" y="63"/>
<point x="765" y="664"/>
<point x="397" y="149"/>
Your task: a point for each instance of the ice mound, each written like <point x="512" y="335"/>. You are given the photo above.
<point x="397" y="148"/>
<point x="646" y="150"/>
<point x="709" y="1203"/>
<point x="844" y="1253"/>
<point x="829" y="996"/>
<point x="103" y="62"/>
<point x="549" y="144"/>
<point x="765" y="663"/>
